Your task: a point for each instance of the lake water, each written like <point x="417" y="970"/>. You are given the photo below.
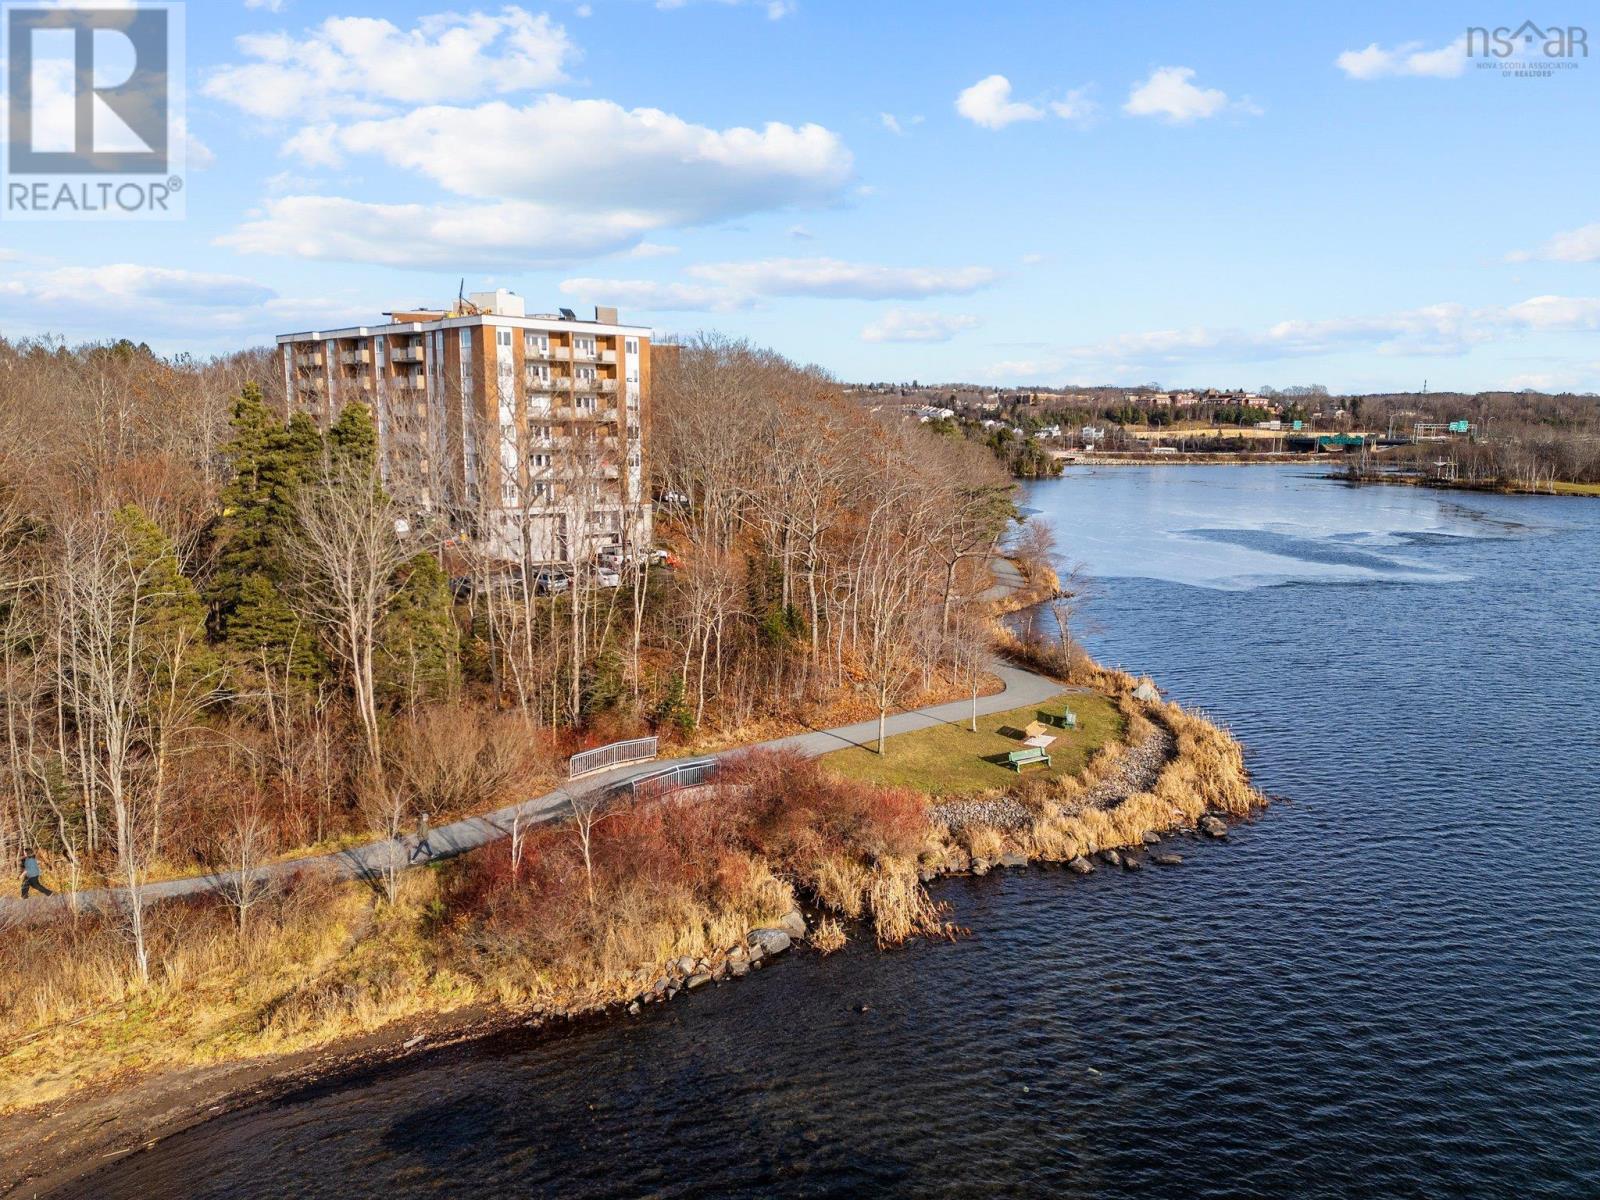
<point x="1387" y="985"/>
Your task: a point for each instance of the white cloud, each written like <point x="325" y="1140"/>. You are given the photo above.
<point x="833" y="277"/>
<point x="597" y="154"/>
<point x="652" y="250"/>
<point x="1559" y="314"/>
<point x="891" y="122"/>
<point x="197" y="154"/>
<point x="602" y="178"/>
<point x="175" y="309"/>
<point x="1573" y="246"/>
<point x="1433" y="330"/>
<point x="801" y="233"/>
<point x="988" y="103"/>
<point x="722" y="287"/>
<point x="1076" y="106"/>
<point x="647" y="294"/>
<point x="433" y="235"/>
<point x="1408" y="58"/>
<point x="270" y="5"/>
<point x="366" y="66"/>
<point x="130" y="283"/>
<point x="906" y="325"/>
<point x="584" y="10"/>
<point x="1170" y="95"/>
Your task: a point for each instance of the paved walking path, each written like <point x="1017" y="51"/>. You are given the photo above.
<point x="372" y="860"/>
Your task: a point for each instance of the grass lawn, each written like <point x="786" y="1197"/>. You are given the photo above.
<point x="951" y="760"/>
<point x="1578" y="489"/>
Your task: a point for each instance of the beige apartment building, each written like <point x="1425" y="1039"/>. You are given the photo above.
<point x="528" y="433"/>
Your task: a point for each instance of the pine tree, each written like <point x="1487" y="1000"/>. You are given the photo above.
<point x="419" y="644"/>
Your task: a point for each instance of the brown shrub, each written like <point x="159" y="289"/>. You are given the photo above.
<point x="455" y="760"/>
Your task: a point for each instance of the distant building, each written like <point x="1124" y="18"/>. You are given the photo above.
<point x="515" y="428"/>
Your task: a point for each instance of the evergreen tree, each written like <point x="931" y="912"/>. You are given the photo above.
<point x="266" y="636"/>
<point x="270" y="463"/>
<point x="170" y="611"/>
<point x="353" y="441"/>
<point x="243" y="532"/>
<point x="419" y="643"/>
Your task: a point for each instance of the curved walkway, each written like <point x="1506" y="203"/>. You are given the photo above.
<point x="372" y="860"/>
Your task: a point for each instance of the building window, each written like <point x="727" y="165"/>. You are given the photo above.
<point x="631" y="345"/>
<point x="583" y="345"/>
<point x="502" y="338"/>
<point x="536" y="343"/>
<point x="541" y="461"/>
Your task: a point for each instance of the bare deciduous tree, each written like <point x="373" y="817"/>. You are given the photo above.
<point x="347" y="552"/>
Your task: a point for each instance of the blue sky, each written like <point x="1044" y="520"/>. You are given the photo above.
<point x="1044" y="193"/>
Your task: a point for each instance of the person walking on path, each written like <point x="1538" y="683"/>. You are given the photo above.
<point x="423" y="847"/>
<point x="30" y="875"/>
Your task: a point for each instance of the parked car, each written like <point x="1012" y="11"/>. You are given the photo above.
<point x="606" y="577"/>
<point x="551" y="583"/>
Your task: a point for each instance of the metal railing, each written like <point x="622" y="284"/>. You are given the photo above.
<point x="617" y="753"/>
<point x="668" y="779"/>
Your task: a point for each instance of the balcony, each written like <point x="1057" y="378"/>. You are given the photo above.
<point x="579" y="355"/>
<point x="608" y="385"/>
<point x="608" y="356"/>
<point x="411" y="379"/>
<point x="534" y="350"/>
<point x="360" y="357"/>
<point x="585" y="383"/>
<point x="406" y="354"/>
<point x="305" y="361"/>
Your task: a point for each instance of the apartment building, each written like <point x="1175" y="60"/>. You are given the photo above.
<point x="529" y="433"/>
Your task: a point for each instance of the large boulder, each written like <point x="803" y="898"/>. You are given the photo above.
<point x="1111" y="858"/>
<point x="1213" y="826"/>
<point x="1167" y="860"/>
<point x="793" y="923"/>
<point x="769" y="941"/>
<point x="1146" y="691"/>
<point x="698" y="979"/>
<point x="1151" y="838"/>
<point x="1012" y="859"/>
<point x="1080" y="866"/>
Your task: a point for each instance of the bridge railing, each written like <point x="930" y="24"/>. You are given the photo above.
<point x="589" y="761"/>
<point x="669" y="779"/>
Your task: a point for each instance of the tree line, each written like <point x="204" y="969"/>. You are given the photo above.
<point x="226" y="632"/>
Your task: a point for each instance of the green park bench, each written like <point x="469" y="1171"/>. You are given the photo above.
<point x="1064" y="720"/>
<point x="1018" y="759"/>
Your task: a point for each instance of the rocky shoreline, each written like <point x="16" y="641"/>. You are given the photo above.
<point x="1166" y="780"/>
